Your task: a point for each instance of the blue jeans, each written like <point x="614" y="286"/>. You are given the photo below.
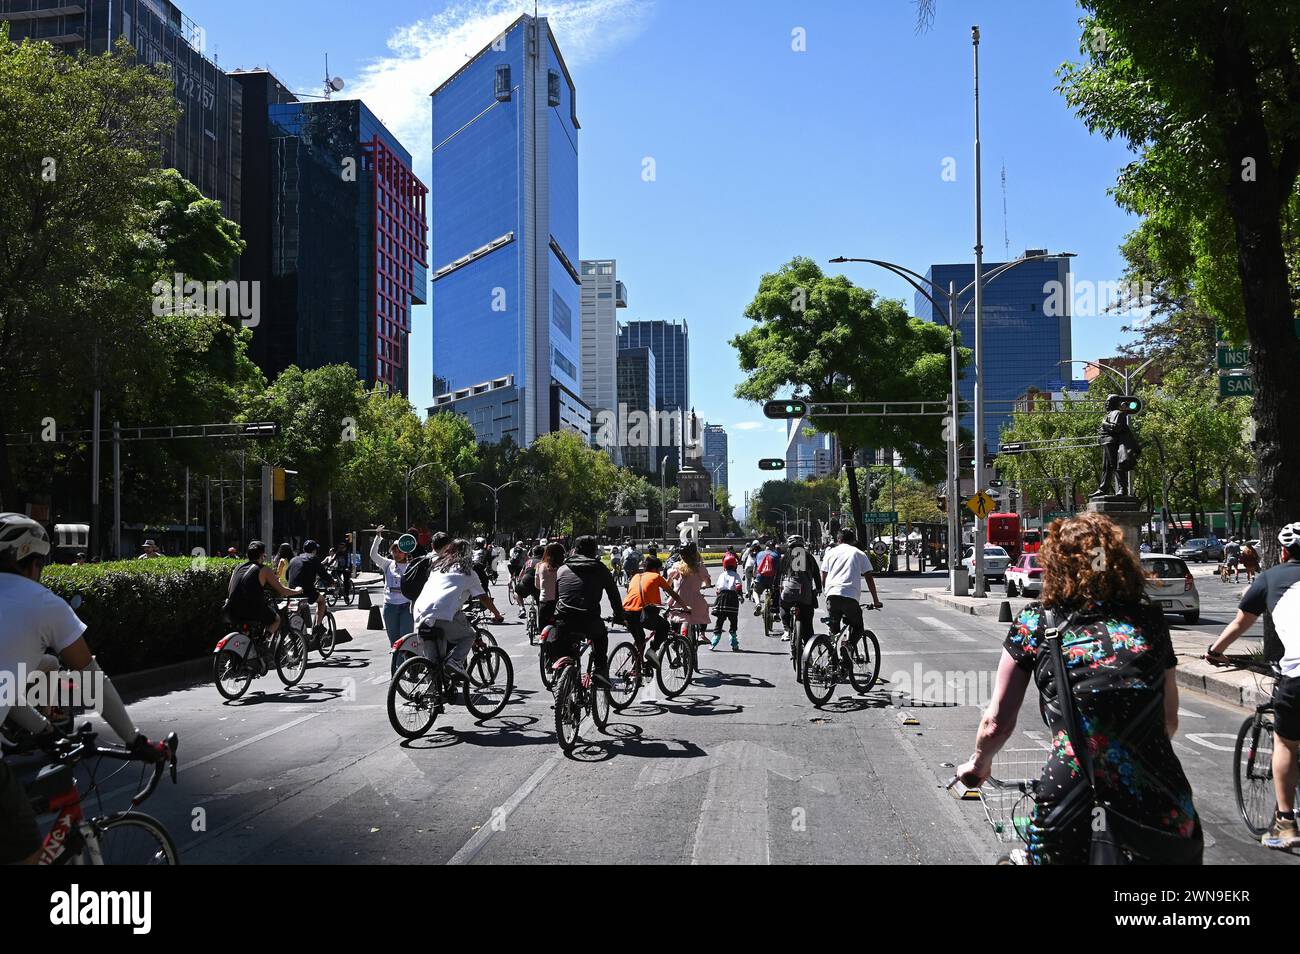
<point x="398" y="621"/>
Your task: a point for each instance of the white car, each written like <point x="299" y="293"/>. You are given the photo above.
<point x="1025" y="577"/>
<point x="1169" y="585"/>
<point x="996" y="561"/>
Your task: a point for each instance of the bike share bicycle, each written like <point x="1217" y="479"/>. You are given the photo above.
<point x="245" y="654"/>
<point x="424" y="683"/>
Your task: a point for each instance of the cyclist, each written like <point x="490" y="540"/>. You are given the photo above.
<point x="643" y="607"/>
<point x="767" y="563"/>
<point x="551" y="558"/>
<point x="283" y="557"/>
<point x="579" y="585"/>
<point x="305" y="571"/>
<point x="33" y="621"/>
<point x="451" y="579"/>
<point x="481" y="559"/>
<point x="747" y="568"/>
<point x="631" y="563"/>
<point x="726" y="605"/>
<point x="800" y="585"/>
<point x="252" y="583"/>
<point x="1275" y="596"/>
<point x="690" y="576"/>
<point x="844" y="567"/>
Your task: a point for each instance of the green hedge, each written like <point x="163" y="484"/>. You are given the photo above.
<point x="145" y="613"/>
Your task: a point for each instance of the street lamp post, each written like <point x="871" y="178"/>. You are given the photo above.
<point x="495" y="500"/>
<point x="663" y="496"/>
<point x="446" y="500"/>
<point x="410" y="471"/>
<point x="980" y="530"/>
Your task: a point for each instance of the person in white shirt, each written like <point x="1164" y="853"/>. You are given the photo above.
<point x="398" y="620"/>
<point x="843" y="569"/>
<point x="33" y="623"/>
<point x="451" y="579"/>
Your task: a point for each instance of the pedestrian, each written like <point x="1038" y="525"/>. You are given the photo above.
<point x="1249" y="561"/>
<point x="399" y="621"/>
<point x="726" y="605"/>
<point x="150" y="549"/>
<point x="1112" y="790"/>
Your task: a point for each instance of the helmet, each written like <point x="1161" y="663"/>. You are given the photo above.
<point x="479" y="541"/>
<point x="794" y="540"/>
<point x="1288" y="536"/>
<point x="21" y="537"/>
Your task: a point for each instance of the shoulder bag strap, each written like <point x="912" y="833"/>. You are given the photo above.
<point x="1065" y="697"/>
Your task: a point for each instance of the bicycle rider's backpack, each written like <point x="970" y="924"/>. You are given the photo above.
<point x="414" y="575"/>
<point x="767" y="566"/>
<point x="526" y="583"/>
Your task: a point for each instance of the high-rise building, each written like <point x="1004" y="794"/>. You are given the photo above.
<point x="205" y="144"/>
<point x="638" y="440"/>
<point x="336" y="235"/>
<point x="504" y="240"/>
<point x="716" y="454"/>
<point x="808" y="453"/>
<point x="1025" y="341"/>
<point x="602" y="295"/>
<point x="670" y="342"/>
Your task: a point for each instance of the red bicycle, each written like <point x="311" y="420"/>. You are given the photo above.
<point x="121" y="838"/>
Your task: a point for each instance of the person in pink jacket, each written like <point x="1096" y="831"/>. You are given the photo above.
<point x="688" y="577"/>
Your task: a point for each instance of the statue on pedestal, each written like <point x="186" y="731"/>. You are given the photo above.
<point x="1119" y="447"/>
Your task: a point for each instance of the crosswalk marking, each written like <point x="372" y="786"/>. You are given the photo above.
<point x="953" y="633"/>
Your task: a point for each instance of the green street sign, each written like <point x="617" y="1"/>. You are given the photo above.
<point x="1231" y="358"/>
<point x="880" y="516"/>
<point x="1055" y="514"/>
<point x="1236" y="385"/>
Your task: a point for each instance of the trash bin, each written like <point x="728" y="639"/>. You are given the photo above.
<point x="960" y="580"/>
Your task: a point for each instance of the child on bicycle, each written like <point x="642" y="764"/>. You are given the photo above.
<point x="726" y="606"/>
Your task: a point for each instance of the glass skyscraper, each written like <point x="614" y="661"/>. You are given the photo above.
<point x="636" y="392"/>
<point x="507" y="318"/>
<point x="670" y="341"/>
<point x="1023" y="346"/>
<point x="205" y="144"/>
<point x="716" y="454"/>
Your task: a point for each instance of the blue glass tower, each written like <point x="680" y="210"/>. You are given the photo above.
<point x="506" y="295"/>
<point x="1025" y="342"/>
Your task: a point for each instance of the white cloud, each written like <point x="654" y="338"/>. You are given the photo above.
<point x="748" y="425"/>
<point x="424" y="53"/>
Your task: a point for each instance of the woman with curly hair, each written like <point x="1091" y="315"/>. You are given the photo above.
<point x="1125" y="797"/>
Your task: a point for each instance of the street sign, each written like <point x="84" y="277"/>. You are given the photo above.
<point x="643" y="516"/>
<point x="1236" y="385"/>
<point x="880" y="516"/>
<point x="1055" y="515"/>
<point x="981" y="504"/>
<point x="1231" y="358"/>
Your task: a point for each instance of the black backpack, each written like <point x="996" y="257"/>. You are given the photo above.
<point x="526" y="583"/>
<point x="414" y="575"/>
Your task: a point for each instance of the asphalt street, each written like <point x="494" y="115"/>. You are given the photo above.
<point x="740" y="768"/>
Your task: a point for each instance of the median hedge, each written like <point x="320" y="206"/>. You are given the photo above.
<point x="145" y="613"/>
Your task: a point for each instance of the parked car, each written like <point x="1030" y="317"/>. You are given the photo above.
<point x="996" y="561"/>
<point x="1170" y="585"/>
<point x="1025" y="577"/>
<point x="1201" y="550"/>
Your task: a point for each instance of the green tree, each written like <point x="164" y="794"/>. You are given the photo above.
<point x="830" y="341"/>
<point x="570" y="483"/>
<point x="1207" y="93"/>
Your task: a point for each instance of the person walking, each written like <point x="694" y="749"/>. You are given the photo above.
<point x="726" y="605"/>
<point x="1112" y="789"/>
<point x="398" y="618"/>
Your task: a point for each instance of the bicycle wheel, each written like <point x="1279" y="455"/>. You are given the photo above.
<point x="568" y="708"/>
<point x="412" y="698"/>
<point x="674" y="670"/>
<point x="230" y="674"/>
<point x="530" y="625"/>
<point x="491" y="680"/>
<point x="599" y="702"/>
<point x="544" y="666"/>
<point x="134" y="838"/>
<point x="326" y="641"/>
<point x="624" y="675"/>
<point x="349" y="593"/>
<point x="767" y="614"/>
<point x="331" y="597"/>
<point x="290" y="655"/>
<point x="1252" y="779"/>
<point x="487" y="637"/>
<point x="862" y="661"/>
<point x="819" y="676"/>
<point x="796" y="650"/>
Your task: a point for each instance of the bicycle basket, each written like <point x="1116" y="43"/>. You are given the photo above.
<point x="1008" y="796"/>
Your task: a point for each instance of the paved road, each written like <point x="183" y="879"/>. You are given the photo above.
<point x="741" y="768"/>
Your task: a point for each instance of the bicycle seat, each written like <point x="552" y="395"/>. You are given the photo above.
<point x="52" y="780"/>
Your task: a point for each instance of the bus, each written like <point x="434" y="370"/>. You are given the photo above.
<point x="1031" y="540"/>
<point x="1004" y="531"/>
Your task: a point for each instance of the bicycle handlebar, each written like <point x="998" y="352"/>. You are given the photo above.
<point x="81" y="744"/>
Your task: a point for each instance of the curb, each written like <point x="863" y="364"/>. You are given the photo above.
<point x="992" y="606"/>
<point x="143" y="681"/>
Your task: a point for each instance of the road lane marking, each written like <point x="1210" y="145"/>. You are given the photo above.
<point x="954" y="633"/>
<point x="471" y="848"/>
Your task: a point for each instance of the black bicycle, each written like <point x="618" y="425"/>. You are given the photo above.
<point x="423" y="685"/>
<point x="840" y="657"/>
<point x="1252" y="778"/>
<point x="576" y="695"/>
<point x="631" y="666"/>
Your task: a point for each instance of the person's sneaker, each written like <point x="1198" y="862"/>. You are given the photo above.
<point x="735" y="646"/>
<point x="456" y="668"/>
<point x="1283" y="834"/>
<point x="785" y="637"/>
<point x="758" y="609"/>
<point x="717" y="638"/>
<point x="598" y="680"/>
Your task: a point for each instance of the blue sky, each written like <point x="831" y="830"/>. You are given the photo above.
<point x="761" y="152"/>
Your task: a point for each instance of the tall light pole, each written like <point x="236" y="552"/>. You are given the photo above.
<point x="663" y="496"/>
<point x="980" y="530"/>
<point x="410" y="471"/>
<point x="935" y="294"/>
<point x="446" y="499"/>
<point x="495" y="500"/>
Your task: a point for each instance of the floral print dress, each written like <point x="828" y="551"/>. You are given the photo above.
<point x="1115" y="659"/>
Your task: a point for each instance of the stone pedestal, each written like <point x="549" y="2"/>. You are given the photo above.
<point x="1127" y="512"/>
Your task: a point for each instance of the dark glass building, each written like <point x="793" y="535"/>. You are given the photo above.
<point x="205" y="145"/>
<point x="670" y="341"/>
<point x="336" y="235"/>
<point x="639" y="448"/>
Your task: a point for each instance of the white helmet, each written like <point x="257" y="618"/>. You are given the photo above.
<point x="1288" y="536"/>
<point x="21" y="536"/>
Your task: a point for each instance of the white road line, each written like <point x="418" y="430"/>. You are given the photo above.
<point x="954" y="633"/>
<point x="1189" y="712"/>
<point x="471" y="848"/>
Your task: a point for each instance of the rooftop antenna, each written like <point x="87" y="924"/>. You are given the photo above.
<point x="1006" y="239"/>
<point x="332" y="84"/>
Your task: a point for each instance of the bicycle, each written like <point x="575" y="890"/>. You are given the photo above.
<point x="1009" y="807"/>
<point x="530" y="621"/>
<point x="630" y="667"/>
<point x="100" y="839"/>
<point x="1252" y="757"/>
<point x="421" y="687"/>
<point x="693" y="635"/>
<point x="840" y="657"/>
<point x="243" y="655"/>
<point x="341" y="589"/>
<point x="575" y="696"/>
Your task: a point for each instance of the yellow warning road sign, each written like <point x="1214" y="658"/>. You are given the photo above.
<point x="981" y="504"/>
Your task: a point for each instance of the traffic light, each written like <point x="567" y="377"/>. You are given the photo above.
<point x="772" y="463"/>
<point x="968" y="463"/>
<point x="1124" y="403"/>
<point x="784" y="410"/>
<point x="996" y="484"/>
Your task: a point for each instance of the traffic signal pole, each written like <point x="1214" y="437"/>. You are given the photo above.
<point x="980" y="529"/>
<point x="954" y="429"/>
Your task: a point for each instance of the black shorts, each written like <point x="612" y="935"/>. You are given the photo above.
<point x="1286" y="703"/>
<point x="19" y="836"/>
<point x="845" y="608"/>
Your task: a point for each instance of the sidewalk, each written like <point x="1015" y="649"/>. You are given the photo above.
<point x="1233" y="686"/>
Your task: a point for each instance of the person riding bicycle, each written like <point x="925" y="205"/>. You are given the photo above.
<point x="305" y="571"/>
<point x="631" y="563"/>
<point x="767" y="565"/>
<point x="34" y="622"/>
<point x="250" y="597"/>
<point x="1275" y="596"/>
<point x="439" y="605"/>
<point x="690" y="577"/>
<point x="747" y="559"/>
<point x="644" y="609"/>
<point x="579" y="585"/>
<point x="844" y="567"/>
<point x="481" y="560"/>
<point x="800" y="586"/>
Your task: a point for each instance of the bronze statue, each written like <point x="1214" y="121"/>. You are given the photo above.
<point x="1119" y="446"/>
